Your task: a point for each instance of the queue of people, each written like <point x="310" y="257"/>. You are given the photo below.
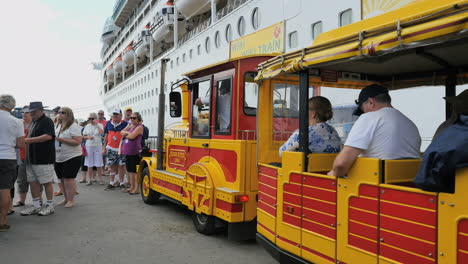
<point x="36" y="152"/>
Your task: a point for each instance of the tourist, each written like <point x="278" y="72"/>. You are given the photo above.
<point x="112" y="139"/>
<point x="131" y="148"/>
<point x="11" y="138"/>
<point x="92" y="135"/>
<point x="68" y="153"/>
<point x="40" y="159"/>
<point x="127" y="113"/>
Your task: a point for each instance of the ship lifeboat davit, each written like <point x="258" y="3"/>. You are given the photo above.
<point x="129" y="55"/>
<point x="119" y="65"/>
<point x="164" y="31"/>
<point x="110" y="74"/>
<point x="190" y="8"/>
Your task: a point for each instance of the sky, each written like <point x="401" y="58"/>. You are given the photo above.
<point x="47" y="50"/>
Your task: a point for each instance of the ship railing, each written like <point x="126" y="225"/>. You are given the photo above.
<point x="248" y="134"/>
<point x="151" y="142"/>
<point x="204" y="24"/>
<point x="176" y="133"/>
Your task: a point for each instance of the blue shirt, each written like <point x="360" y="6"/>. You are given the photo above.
<point x="323" y="138"/>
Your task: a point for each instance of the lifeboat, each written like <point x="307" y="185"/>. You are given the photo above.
<point x="144" y="48"/>
<point x="190" y="8"/>
<point x="110" y="74"/>
<point x="129" y="55"/>
<point x="119" y="65"/>
<point x="164" y="21"/>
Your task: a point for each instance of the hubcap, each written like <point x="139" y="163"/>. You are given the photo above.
<point x="145" y="186"/>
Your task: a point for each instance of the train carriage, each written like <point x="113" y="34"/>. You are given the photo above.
<point x="375" y="214"/>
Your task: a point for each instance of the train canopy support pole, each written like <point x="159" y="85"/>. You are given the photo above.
<point x="162" y="98"/>
<point x="304" y="115"/>
<point x="450" y="90"/>
<point x="214" y="17"/>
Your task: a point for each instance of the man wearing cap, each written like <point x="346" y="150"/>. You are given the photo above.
<point x="381" y="132"/>
<point x="40" y="158"/>
<point x="128" y="112"/>
<point x="112" y="139"/>
<point x="447" y="151"/>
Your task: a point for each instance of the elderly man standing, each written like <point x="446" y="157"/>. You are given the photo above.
<point x="11" y="137"/>
<point x="381" y="132"/>
<point x="40" y="158"/>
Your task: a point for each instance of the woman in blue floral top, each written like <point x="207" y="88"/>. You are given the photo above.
<point x="323" y="138"/>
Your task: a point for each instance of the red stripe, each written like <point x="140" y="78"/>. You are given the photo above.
<point x="462" y="258"/>
<point x="364" y="203"/>
<point x="295" y="221"/>
<point x="206" y="202"/>
<point x="363" y="217"/>
<point x="409" y="213"/>
<point x="320" y="182"/>
<point x="293" y="188"/>
<point x="319" y="217"/>
<point x="463" y="226"/>
<point x="363" y="244"/>
<point x="364" y="231"/>
<point x="319" y="229"/>
<point x="267" y="209"/>
<point x="409" y="198"/>
<point x="167" y="185"/>
<point x="332" y="260"/>
<point x="319" y="206"/>
<point x="329" y="196"/>
<point x="268" y="171"/>
<point x="265" y="198"/>
<point x="267" y="180"/>
<point x="288" y="241"/>
<point x="369" y="191"/>
<point x="267" y="189"/>
<point x="266" y="228"/>
<point x="228" y="207"/>
<point x="408" y="244"/>
<point x="292" y="209"/>
<point x="292" y="199"/>
<point x="403" y="257"/>
<point x="407" y="228"/>
<point x="295" y="178"/>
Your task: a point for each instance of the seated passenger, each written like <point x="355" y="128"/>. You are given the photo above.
<point x="380" y="132"/>
<point x="323" y="138"/>
<point x="448" y="150"/>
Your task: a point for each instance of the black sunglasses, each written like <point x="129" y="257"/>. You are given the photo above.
<point x="100" y="113"/>
<point x="133" y="117"/>
<point x="62" y="112"/>
<point x="91" y="118"/>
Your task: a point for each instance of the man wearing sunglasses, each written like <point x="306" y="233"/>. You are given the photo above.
<point x="381" y="132"/>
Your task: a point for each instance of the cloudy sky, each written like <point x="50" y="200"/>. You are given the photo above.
<point x="47" y="48"/>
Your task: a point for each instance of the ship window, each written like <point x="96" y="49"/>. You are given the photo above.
<point x="172" y="64"/>
<point x="156" y="73"/>
<point x="177" y="61"/>
<point x="183" y="58"/>
<point x="190" y="54"/>
<point x="255" y="18"/>
<point x="201" y="114"/>
<point x="223" y="107"/>
<point x="250" y="94"/>
<point x="293" y="39"/>
<point x="152" y="75"/>
<point x="207" y="44"/>
<point x="199" y="49"/>
<point x="152" y="92"/>
<point x="217" y="39"/>
<point x="317" y="29"/>
<point x="228" y="33"/>
<point x="241" y="26"/>
<point x="346" y="17"/>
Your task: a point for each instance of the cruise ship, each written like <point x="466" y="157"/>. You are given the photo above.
<point x="192" y="34"/>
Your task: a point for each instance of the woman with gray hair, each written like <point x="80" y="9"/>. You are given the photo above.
<point x="11" y="138"/>
<point x="92" y="134"/>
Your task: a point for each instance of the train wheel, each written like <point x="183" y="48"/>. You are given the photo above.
<point x="205" y="224"/>
<point x="148" y="195"/>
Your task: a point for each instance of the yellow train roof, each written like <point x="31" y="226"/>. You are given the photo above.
<point x="426" y="37"/>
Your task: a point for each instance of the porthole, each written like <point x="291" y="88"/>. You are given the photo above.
<point x="228" y="33"/>
<point x="190" y="54"/>
<point x="177" y="61"/>
<point x="199" y="49"/>
<point x="217" y="39"/>
<point x="207" y="44"/>
<point x="183" y="58"/>
<point x="293" y="39"/>
<point x="255" y="18"/>
<point x="241" y="26"/>
<point x="346" y="17"/>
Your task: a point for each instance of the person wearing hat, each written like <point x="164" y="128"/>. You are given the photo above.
<point x="40" y="159"/>
<point x="127" y="113"/>
<point x="112" y="140"/>
<point x="11" y="138"/>
<point x="381" y="132"/>
<point x="448" y="150"/>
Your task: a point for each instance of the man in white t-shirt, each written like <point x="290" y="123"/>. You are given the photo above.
<point x="381" y="132"/>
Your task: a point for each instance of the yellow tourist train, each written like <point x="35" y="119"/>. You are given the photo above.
<point x="374" y="214"/>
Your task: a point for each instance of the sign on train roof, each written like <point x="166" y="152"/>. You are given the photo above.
<point x="267" y="41"/>
<point x="424" y="38"/>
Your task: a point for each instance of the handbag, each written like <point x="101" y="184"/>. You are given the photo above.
<point x="84" y="153"/>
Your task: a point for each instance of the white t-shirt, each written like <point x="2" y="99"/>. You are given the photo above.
<point x="11" y="128"/>
<point x="92" y="130"/>
<point x="385" y="134"/>
<point x="63" y="151"/>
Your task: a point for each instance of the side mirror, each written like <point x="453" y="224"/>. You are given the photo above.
<point x="175" y="100"/>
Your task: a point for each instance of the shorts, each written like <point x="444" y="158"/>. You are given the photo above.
<point x="93" y="157"/>
<point x="68" y="169"/>
<point x="40" y="173"/>
<point x="114" y="158"/>
<point x="7" y="174"/>
<point x="22" y="180"/>
<point x="132" y="162"/>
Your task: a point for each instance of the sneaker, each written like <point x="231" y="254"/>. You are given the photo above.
<point x="46" y="210"/>
<point x="30" y="211"/>
<point x="116" y="184"/>
<point x="122" y="187"/>
<point x="110" y="187"/>
<point x="101" y="183"/>
<point x="89" y="183"/>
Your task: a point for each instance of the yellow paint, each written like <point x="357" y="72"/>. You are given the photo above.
<point x="371" y="8"/>
<point x="267" y="41"/>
